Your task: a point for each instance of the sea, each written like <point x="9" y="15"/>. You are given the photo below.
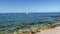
<point x="22" y="20"/>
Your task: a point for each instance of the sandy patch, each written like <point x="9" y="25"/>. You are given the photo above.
<point x="51" y="31"/>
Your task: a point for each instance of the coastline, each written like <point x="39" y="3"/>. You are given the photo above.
<point x="35" y="29"/>
<point x="38" y="30"/>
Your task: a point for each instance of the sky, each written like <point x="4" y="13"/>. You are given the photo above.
<point x="26" y="6"/>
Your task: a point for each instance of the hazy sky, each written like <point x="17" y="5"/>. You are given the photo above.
<point x="19" y="6"/>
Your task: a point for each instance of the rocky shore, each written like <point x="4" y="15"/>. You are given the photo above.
<point x="32" y="30"/>
<point x="36" y="30"/>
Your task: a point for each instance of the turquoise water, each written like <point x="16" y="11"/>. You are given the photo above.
<point x="23" y="20"/>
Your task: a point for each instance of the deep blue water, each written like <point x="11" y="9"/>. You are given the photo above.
<point x="16" y="19"/>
